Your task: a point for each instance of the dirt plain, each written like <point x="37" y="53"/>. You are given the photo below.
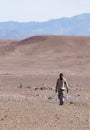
<point x="28" y="72"/>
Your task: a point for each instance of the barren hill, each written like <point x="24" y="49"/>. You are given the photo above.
<point x="42" y="52"/>
<point x="50" y="46"/>
<point x="55" y="46"/>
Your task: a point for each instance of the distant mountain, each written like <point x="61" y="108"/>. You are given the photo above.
<point x="74" y="26"/>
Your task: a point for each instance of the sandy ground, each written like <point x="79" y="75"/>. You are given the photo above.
<point x="28" y="77"/>
<point x="36" y="109"/>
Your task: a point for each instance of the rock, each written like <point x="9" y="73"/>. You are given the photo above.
<point x="36" y="88"/>
<point x="5" y="116"/>
<point x="20" y="86"/>
<point x="42" y="88"/>
<point x="72" y="102"/>
<point x="2" y="119"/>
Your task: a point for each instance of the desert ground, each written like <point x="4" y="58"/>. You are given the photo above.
<point x="28" y="72"/>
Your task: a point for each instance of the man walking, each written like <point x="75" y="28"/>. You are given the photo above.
<point x="61" y="85"/>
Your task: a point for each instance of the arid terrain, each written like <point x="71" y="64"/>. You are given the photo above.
<point x="28" y="73"/>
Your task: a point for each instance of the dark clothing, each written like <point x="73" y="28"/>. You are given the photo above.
<point x="61" y="96"/>
<point x="61" y="85"/>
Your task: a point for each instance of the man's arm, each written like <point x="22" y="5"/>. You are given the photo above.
<point x="56" y="86"/>
<point x="66" y="85"/>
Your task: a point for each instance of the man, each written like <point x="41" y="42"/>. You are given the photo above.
<point x="61" y="85"/>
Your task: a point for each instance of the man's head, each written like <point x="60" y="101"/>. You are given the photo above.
<point x="61" y="76"/>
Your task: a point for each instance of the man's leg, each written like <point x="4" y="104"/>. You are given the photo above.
<point x="61" y="97"/>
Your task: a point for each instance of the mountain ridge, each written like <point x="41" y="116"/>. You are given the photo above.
<point x="70" y="26"/>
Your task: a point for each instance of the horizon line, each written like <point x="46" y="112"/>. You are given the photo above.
<point x="41" y="21"/>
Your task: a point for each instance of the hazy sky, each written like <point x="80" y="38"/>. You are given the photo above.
<point x="41" y="10"/>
